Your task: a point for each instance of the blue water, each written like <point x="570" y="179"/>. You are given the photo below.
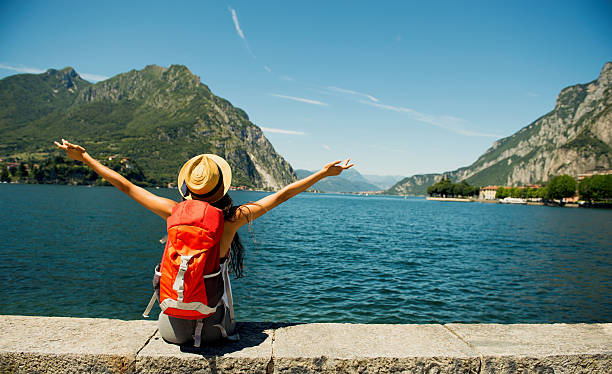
<point x="89" y="252"/>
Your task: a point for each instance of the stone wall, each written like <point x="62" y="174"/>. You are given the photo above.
<point x="79" y="345"/>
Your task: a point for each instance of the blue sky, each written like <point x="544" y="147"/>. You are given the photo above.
<point x="401" y="87"/>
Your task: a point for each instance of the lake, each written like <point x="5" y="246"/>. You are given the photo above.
<point x="90" y="252"/>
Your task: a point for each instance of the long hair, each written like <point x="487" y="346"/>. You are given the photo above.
<point x="236" y="248"/>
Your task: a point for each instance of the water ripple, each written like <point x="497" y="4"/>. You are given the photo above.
<point x="89" y="252"/>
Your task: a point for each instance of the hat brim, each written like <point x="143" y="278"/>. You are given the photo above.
<point x="226" y="172"/>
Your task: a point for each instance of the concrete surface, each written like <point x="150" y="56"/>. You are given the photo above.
<point x="337" y="347"/>
<point x="70" y="345"/>
<point x="77" y="345"/>
<point x="550" y="348"/>
<point x="251" y="354"/>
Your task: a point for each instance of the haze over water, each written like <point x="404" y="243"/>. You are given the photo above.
<point x="89" y="252"/>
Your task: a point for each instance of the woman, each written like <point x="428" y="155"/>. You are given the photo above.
<point x="204" y="177"/>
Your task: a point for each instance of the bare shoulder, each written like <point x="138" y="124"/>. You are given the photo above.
<point x="248" y="212"/>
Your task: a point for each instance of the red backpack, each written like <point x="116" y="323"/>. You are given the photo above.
<point x="190" y="283"/>
<point x="190" y="271"/>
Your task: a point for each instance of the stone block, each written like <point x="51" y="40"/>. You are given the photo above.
<point x="70" y="345"/>
<point x="360" y="348"/>
<point x="251" y="354"/>
<point x="540" y="348"/>
<point x="76" y="345"/>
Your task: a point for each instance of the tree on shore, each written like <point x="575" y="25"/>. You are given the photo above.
<point x="4" y="176"/>
<point x="520" y="192"/>
<point x="596" y="188"/>
<point x="445" y="188"/>
<point x="57" y="169"/>
<point x="22" y="171"/>
<point x="561" y="186"/>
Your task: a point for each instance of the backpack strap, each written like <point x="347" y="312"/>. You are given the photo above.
<point x="200" y="307"/>
<point x="222" y="329"/>
<point x="212" y="275"/>
<point x="145" y="314"/>
<point x="197" y="337"/>
<point x="229" y="320"/>
<point x="227" y="292"/>
<point x="155" y="296"/>
<point x="179" y="282"/>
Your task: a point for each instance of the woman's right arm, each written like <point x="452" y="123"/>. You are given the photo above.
<point x="250" y="211"/>
<point x="157" y="204"/>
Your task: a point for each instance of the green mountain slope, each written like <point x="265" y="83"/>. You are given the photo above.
<point x="159" y="117"/>
<point x="414" y="185"/>
<point x="575" y="137"/>
<point x="28" y="97"/>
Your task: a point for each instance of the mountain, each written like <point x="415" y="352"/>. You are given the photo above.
<point x="349" y="181"/>
<point x="414" y="185"/>
<point x="575" y="137"/>
<point x="352" y="175"/>
<point x="158" y="117"/>
<point x="383" y="182"/>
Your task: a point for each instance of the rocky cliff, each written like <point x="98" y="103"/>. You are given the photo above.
<point x="576" y="136"/>
<point x="160" y="117"/>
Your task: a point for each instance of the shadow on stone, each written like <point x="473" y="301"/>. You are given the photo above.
<point x="251" y="334"/>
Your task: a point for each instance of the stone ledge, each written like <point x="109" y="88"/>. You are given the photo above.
<point x="336" y="347"/>
<point x="75" y="345"/>
<point x="585" y="348"/>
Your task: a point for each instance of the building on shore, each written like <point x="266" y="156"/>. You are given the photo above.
<point x="488" y="193"/>
<point x="591" y="173"/>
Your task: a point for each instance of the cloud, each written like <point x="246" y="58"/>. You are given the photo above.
<point x="302" y="100"/>
<point x="267" y="68"/>
<point x="282" y="131"/>
<point x="326" y="147"/>
<point x="239" y="31"/>
<point x="286" y="78"/>
<point x="533" y="94"/>
<point x="236" y="24"/>
<point x="351" y="92"/>
<point x="21" y="69"/>
<point x="388" y="107"/>
<point x="93" y="77"/>
<point x="449" y="123"/>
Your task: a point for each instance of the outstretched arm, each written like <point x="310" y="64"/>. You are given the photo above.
<point x="251" y="211"/>
<point x="158" y="205"/>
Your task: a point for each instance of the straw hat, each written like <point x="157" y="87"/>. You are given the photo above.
<point x="206" y="177"/>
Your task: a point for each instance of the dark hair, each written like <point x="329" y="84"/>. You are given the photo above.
<point x="236" y="248"/>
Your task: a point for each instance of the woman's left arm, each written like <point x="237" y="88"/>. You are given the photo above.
<point x="250" y="211"/>
<point x="157" y="204"/>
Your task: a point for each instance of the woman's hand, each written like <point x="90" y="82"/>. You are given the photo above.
<point x="157" y="204"/>
<point x="73" y="151"/>
<point x="264" y="205"/>
<point x="336" y="167"/>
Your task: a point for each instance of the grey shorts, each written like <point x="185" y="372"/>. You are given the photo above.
<point x="180" y="331"/>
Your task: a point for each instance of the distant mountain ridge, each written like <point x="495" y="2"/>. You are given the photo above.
<point x="159" y="117"/>
<point x="383" y="182"/>
<point x="349" y="181"/>
<point x="576" y="136"/>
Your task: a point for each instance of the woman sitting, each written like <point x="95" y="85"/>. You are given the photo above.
<point x="207" y="178"/>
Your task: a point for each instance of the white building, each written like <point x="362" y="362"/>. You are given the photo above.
<point x="488" y="193"/>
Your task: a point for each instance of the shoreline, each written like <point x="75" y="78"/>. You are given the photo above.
<point x="449" y="199"/>
<point x="532" y="203"/>
<point x="595" y="205"/>
<point x="65" y="344"/>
